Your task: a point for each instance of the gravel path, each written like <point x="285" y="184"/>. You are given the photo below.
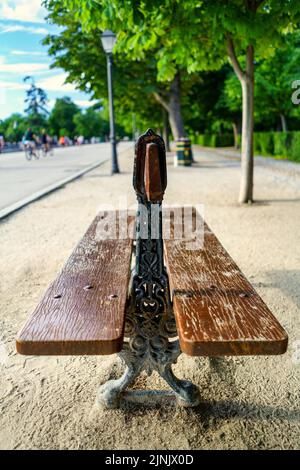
<point x="247" y="403"/>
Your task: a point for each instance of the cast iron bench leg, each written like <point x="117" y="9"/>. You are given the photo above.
<point x="158" y="357"/>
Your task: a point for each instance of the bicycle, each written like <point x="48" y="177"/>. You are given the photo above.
<point x="31" y="151"/>
<point x="47" y="149"/>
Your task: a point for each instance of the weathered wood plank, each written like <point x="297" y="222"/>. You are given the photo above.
<point x="217" y="311"/>
<point x="83" y="310"/>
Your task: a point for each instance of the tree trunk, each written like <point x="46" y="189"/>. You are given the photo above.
<point x="284" y="126"/>
<point x="235" y="135"/>
<point x="171" y="103"/>
<point x="247" y="82"/>
<point x="246" y="79"/>
<point x="175" y="115"/>
<point x="166" y="130"/>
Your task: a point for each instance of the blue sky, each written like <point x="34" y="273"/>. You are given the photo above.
<point x="22" y="28"/>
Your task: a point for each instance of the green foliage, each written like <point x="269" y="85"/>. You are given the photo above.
<point x="160" y="39"/>
<point x="81" y="55"/>
<point x="277" y="144"/>
<point x="213" y="140"/>
<point x="87" y="124"/>
<point x="91" y="124"/>
<point x="14" y="127"/>
<point x="282" y="143"/>
<point x="287" y="145"/>
<point x="189" y="35"/>
<point x="273" y="81"/>
<point x="273" y="78"/>
<point x="62" y="117"/>
<point x="259" y="23"/>
<point x="63" y="133"/>
<point x="66" y="119"/>
<point x="264" y="143"/>
<point x="294" y="153"/>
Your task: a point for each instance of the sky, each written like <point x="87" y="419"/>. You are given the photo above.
<point x="22" y="28"/>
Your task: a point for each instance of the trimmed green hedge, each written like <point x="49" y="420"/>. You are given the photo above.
<point x="263" y="143"/>
<point x="294" y="153"/>
<point x="277" y="144"/>
<point x="213" y="140"/>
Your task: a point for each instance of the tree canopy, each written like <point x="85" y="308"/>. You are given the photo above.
<point x="62" y="116"/>
<point x="219" y="66"/>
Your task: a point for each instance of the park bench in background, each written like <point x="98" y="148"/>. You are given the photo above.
<point x="175" y="300"/>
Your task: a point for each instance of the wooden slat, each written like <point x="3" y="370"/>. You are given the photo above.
<point x="83" y="310"/>
<point x="217" y="311"/>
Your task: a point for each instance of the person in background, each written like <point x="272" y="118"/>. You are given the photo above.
<point x="45" y="140"/>
<point x="80" y="140"/>
<point x="2" y="143"/>
<point x="61" y="141"/>
<point x="68" y="141"/>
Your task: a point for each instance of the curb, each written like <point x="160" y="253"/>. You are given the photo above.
<point x="49" y="189"/>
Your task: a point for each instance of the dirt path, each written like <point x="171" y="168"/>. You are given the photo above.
<point x="247" y="403"/>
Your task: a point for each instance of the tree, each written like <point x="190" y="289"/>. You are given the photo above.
<point x="246" y="27"/>
<point x="14" y="127"/>
<point x="195" y="36"/>
<point x="229" y="105"/>
<point x="36" y="101"/>
<point x="81" y="55"/>
<point x="272" y="93"/>
<point x="62" y="116"/>
<point x="202" y="110"/>
<point x="141" y="67"/>
<point x="90" y="124"/>
<point x="273" y="89"/>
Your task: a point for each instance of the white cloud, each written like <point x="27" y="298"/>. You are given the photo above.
<point x="23" y="68"/>
<point x="57" y="83"/>
<point x="85" y="103"/>
<point x="12" y="86"/>
<point x="22" y="10"/>
<point x="54" y="83"/>
<point x="28" y="29"/>
<point x="28" y="53"/>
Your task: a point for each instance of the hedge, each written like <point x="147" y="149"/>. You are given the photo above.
<point x="263" y="143"/>
<point x="213" y="140"/>
<point x="277" y="144"/>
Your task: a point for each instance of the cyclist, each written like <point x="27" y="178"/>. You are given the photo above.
<point x="30" y="141"/>
<point x="45" y="140"/>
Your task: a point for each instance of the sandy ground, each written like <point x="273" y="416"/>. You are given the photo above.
<point x="247" y="403"/>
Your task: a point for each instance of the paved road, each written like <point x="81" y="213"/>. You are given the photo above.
<point x="20" y="179"/>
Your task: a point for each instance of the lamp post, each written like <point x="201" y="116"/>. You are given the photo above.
<point x="108" y="39"/>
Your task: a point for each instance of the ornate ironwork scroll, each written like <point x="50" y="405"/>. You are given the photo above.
<point x="150" y="331"/>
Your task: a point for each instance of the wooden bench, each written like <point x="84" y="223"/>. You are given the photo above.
<point x="83" y="310"/>
<point x="176" y="300"/>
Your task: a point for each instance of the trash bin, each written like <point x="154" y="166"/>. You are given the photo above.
<point x="184" y="152"/>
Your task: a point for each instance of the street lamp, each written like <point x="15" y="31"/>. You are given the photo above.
<point x="108" y="39"/>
